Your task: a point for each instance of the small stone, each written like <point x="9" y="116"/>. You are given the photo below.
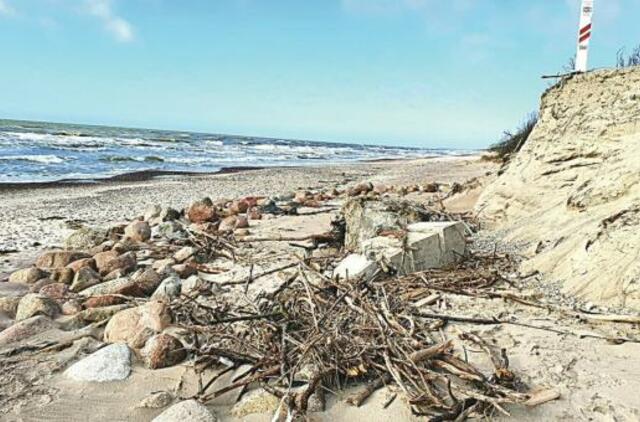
<point x="111" y="363"/>
<point x="169" y="214"/>
<point x="86" y="238"/>
<point x="168" y="289"/>
<point x="136" y="325"/>
<point x="227" y="224"/>
<point x="254" y="214"/>
<point x="162" y="351"/>
<point x="156" y="400"/>
<point x="188" y="410"/>
<point x="62" y="275"/>
<point x="430" y="187"/>
<point x="184" y="254"/>
<point x="241" y="222"/>
<point x="301" y="197"/>
<point x="192" y="284"/>
<point x="58" y="259"/>
<point x="138" y="231"/>
<point x="152" y="211"/>
<point x="86" y="277"/>
<point x="27" y="275"/>
<point x="162" y="265"/>
<point x="170" y="230"/>
<point x="256" y="401"/>
<point x="238" y="207"/>
<point x="184" y="270"/>
<point x="241" y="232"/>
<point x="202" y="211"/>
<point x="361" y="188"/>
<point x="33" y="304"/>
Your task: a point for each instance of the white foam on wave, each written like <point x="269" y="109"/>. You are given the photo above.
<point x="43" y="159"/>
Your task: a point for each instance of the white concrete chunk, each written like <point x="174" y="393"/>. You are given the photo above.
<point x="355" y="266"/>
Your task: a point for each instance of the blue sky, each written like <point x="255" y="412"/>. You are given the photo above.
<point x="452" y="73"/>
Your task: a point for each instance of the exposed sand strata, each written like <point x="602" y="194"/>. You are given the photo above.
<point x="573" y="190"/>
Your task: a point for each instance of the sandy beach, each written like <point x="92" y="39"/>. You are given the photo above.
<point x="44" y="215"/>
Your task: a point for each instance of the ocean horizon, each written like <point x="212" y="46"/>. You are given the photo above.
<point x="35" y="152"/>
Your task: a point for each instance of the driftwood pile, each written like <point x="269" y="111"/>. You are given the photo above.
<point x="314" y="334"/>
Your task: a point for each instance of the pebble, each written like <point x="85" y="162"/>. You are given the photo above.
<point x="156" y="400"/>
<point x="168" y="289"/>
<point x="184" y="254"/>
<point x="162" y="351"/>
<point x="111" y="363"/>
<point x="188" y="410"/>
<point x="138" y="231"/>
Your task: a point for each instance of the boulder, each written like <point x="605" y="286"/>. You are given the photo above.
<point x="85" y="278"/>
<point x="33" y="304"/>
<point x="110" y="261"/>
<point x="162" y="351"/>
<point x="238" y="207"/>
<point x="138" y="231"/>
<point x="136" y="325"/>
<point x="86" y="238"/>
<point x="170" y="230"/>
<point x="111" y="363"/>
<point x="56" y="291"/>
<point x="82" y="263"/>
<point x="188" y="410"/>
<point x="147" y="281"/>
<point x="361" y="188"/>
<point x="62" y="275"/>
<point x="26" y="328"/>
<point x="27" y="275"/>
<point x="59" y="259"/>
<point x="169" y="214"/>
<point x="202" y="211"/>
<point x="107" y="288"/>
<point x="242" y="222"/>
<point x="104" y="300"/>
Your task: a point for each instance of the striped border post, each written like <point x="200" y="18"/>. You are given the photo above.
<point x="584" y="35"/>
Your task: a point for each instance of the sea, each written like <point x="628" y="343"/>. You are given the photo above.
<point x="47" y="152"/>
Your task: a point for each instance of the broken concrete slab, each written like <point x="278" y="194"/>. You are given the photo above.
<point x="425" y="246"/>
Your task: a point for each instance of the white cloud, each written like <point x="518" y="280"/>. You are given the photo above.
<point x="121" y="29"/>
<point x="5" y="8"/>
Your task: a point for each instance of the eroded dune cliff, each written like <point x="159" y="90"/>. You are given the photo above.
<point x="573" y="191"/>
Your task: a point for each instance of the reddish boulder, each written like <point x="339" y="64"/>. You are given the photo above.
<point x="59" y="259"/>
<point x="202" y="211"/>
<point x="82" y="263"/>
<point x="162" y="351"/>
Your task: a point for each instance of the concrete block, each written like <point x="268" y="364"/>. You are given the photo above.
<point x="452" y="236"/>
<point x="355" y="266"/>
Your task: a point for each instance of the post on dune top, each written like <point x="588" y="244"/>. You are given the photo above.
<point x="584" y="35"/>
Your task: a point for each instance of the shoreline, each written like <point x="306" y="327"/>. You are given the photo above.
<point x="153" y="174"/>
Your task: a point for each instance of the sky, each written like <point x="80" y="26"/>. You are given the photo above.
<point x="426" y="73"/>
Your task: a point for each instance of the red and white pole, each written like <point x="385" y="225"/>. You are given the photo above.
<point x="584" y="35"/>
